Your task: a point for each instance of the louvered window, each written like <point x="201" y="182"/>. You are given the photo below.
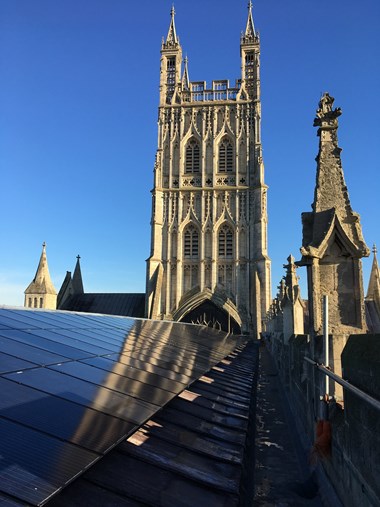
<point x="191" y="243"/>
<point x="225" y="242"/>
<point x="249" y="65"/>
<point x="226" y="156"/>
<point x="192" y="157"/>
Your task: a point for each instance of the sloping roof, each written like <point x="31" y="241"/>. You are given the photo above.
<point x="129" y="305"/>
<point x="190" y="454"/>
<point x="75" y="385"/>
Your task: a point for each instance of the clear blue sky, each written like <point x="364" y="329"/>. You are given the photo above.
<point x="78" y="123"/>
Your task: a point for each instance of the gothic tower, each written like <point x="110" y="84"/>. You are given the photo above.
<point x="41" y="293"/>
<point x="208" y="261"/>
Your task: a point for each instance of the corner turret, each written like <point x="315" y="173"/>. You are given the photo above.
<point x="250" y="58"/>
<point x="171" y="61"/>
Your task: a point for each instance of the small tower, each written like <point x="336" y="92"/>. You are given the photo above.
<point x="171" y="61"/>
<point x="333" y="243"/>
<point x="41" y="292"/>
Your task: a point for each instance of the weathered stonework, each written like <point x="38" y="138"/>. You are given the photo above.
<point x="333" y="243"/>
<point x="209" y="261"/>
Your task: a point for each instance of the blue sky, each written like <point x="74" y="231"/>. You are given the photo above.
<point x="78" y="125"/>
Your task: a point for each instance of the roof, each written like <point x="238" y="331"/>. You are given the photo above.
<point x="74" y="386"/>
<point x="191" y="453"/>
<point x="129" y="305"/>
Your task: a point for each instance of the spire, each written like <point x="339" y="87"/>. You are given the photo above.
<point x="171" y="39"/>
<point x="77" y="283"/>
<point x="250" y="33"/>
<point x="42" y="283"/>
<point x="185" y="76"/>
<point x="373" y="291"/>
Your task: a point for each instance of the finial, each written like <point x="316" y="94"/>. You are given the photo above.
<point x="374" y="249"/>
<point x="250" y="5"/>
<point x="78" y="257"/>
<point x="172" y="11"/>
<point x="43" y="245"/>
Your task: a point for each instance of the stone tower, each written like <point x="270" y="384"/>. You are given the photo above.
<point x="208" y="262"/>
<point x="333" y="244"/>
<point x="41" y="293"/>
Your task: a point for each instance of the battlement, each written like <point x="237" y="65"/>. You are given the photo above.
<point x="220" y="90"/>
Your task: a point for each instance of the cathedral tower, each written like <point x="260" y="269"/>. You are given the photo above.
<point x="41" y="293"/>
<point x="208" y="261"/>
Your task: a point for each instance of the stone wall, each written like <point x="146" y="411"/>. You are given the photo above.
<point x="353" y="467"/>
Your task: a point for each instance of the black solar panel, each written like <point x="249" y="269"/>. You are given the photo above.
<point x="72" y="386"/>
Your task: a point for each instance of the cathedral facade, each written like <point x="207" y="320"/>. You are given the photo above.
<point x="209" y="262"/>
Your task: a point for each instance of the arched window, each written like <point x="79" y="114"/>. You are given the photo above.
<point x="191" y="243"/>
<point x="192" y="160"/>
<point x="226" y="156"/>
<point x="41" y="302"/>
<point x="225" y="242"/>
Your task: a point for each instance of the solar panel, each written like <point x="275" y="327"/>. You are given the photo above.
<point x="73" y="385"/>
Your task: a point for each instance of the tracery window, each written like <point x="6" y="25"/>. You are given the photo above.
<point x="226" y="156"/>
<point x="192" y="158"/>
<point x="225" y="242"/>
<point x="191" y="243"/>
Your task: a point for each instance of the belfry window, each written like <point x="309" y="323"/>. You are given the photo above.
<point x="249" y="65"/>
<point x="191" y="243"/>
<point x="192" y="157"/>
<point x="225" y="242"/>
<point x="170" y="76"/>
<point x="226" y="156"/>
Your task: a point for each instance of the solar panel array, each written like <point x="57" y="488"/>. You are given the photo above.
<point x="72" y="386"/>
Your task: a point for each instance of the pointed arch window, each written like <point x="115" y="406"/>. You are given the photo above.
<point x="170" y="84"/>
<point x="191" y="243"/>
<point x="192" y="157"/>
<point x="226" y="156"/>
<point x="249" y="65"/>
<point x="225" y="242"/>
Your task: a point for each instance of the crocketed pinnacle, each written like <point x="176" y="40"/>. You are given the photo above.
<point x="172" y="39"/>
<point x="250" y="32"/>
<point x="185" y="76"/>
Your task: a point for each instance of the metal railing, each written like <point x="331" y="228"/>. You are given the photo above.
<point x="345" y="384"/>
